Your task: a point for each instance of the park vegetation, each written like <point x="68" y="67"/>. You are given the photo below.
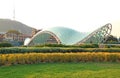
<point x="52" y="53"/>
<point x="32" y="58"/>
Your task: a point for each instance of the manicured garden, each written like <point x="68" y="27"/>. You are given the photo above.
<point x="34" y="58"/>
<point x="60" y="61"/>
<point x="62" y="70"/>
<point x="12" y="50"/>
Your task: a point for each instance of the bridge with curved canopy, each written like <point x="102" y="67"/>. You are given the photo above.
<point x="67" y="36"/>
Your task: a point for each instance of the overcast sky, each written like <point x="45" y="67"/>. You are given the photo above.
<point x="81" y="15"/>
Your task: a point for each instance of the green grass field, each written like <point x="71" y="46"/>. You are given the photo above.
<point x="62" y="70"/>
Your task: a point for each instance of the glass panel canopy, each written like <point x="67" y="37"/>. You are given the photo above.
<point x="69" y="36"/>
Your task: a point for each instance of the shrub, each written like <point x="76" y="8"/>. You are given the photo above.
<point x="51" y="45"/>
<point x="5" y="44"/>
<point x="62" y="45"/>
<point x="12" y="50"/>
<point x="32" y="58"/>
<point x="89" y="45"/>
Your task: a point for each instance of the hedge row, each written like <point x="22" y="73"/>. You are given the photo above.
<point x="62" y="45"/>
<point x="5" y="44"/>
<point x="54" y="50"/>
<point x="32" y="58"/>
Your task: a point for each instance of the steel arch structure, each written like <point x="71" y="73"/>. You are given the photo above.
<point x="31" y="42"/>
<point x="61" y="35"/>
<point x="100" y="35"/>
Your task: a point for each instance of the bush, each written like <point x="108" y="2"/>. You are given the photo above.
<point x="11" y="50"/>
<point x="62" y="45"/>
<point x="89" y="45"/>
<point x="5" y="44"/>
<point x="32" y="58"/>
<point x="112" y="46"/>
<point x="50" y="45"/>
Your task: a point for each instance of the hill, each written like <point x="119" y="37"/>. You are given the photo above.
<point x="7" y="24"/>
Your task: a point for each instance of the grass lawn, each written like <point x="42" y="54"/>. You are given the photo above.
<point x="62" y="70"/>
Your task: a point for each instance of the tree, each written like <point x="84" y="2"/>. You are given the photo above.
<point x="5" y="44"/>
<point x="112" y="40"/>
<point x="14" y="32"/>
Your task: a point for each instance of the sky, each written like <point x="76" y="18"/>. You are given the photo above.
<point x="81" y="15"/>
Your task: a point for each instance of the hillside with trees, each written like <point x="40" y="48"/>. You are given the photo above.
<point x="7" y="24"/>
